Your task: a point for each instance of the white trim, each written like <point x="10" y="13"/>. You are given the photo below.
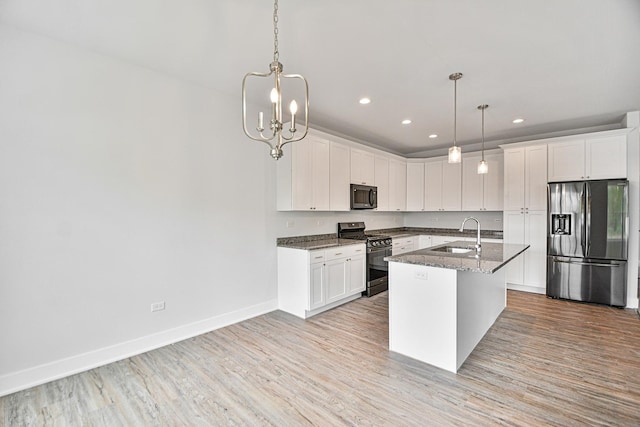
<point x="611" y="132"/>
<point x="309" y="313"/>
<point x="20" y="380"/>
<point x="526" y="288"/>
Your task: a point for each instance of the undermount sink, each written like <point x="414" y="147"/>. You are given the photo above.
<point x="453" y="249"/>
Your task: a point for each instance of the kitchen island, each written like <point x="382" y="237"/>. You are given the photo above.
<point x="443" y="299"/>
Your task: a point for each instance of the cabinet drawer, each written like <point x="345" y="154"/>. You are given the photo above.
<point x="403" y="241"/>
<point x="316" y="256"/>
<point x="344" y="252"/>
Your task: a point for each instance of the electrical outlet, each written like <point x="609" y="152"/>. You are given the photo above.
<point x="291" y="224"/>
<point x="320" y="223"/>
<point x="434" y="219"/>
<point x="157" y="306"/>
<point x="421" y="275"/>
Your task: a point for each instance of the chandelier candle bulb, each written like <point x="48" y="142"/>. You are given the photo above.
<point x="260" y="122"/>
<point x="293" y="107"/>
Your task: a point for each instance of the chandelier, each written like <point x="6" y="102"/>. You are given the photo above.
<point x="455" y="154"/>
<point x="276" y="136"/>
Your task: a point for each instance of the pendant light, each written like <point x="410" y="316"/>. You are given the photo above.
<point x="455" y="154"/>
<point x="483" y="167"/>
<point x="276" y="131"/>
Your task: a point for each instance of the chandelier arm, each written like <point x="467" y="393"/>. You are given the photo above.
<point x="262" y="138"/>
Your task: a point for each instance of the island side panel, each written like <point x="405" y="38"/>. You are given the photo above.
<point x="481" y="299"/>
<point x="422" y="313"/>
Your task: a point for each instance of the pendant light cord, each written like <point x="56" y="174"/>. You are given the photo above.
<point x="455" y="110"/>
<point x="483" y="134"/>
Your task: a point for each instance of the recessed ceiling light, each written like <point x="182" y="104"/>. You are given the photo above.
<point x="406" y="121"/>
<point x="433" y="135"/>
<point x="364" y="101"/>
<point x="518" y="120"/>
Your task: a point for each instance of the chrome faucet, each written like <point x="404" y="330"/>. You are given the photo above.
<point x="477" y="245"/>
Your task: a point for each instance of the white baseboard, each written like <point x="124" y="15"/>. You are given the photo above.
<point x="526" y="288"/>
<point x="21" y="380"/>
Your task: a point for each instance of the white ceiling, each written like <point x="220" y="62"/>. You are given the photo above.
<point x="563" y="64"/>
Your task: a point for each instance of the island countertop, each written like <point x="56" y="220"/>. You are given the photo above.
<point x="492" y="257"/>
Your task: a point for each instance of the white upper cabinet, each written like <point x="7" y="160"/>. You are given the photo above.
<point x="397" y="185"/>
<point x="525" y="182"/>
<point x="433" y="185"/>
<point x="362" y="167"/>
<point x="451" y="186"/>
<point x="339" y="177"/>
<point x="381" y="170"/>
<point x="599" y="157"/>
<point x="415" y="186"/>
<point x="442" y="185"/>
<point x="303" y="175"/>
<point x="482" y="192"/>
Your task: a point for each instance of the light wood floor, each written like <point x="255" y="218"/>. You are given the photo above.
<point x="544" y="362"/>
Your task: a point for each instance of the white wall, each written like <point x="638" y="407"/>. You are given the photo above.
<point x="119" y="188"/>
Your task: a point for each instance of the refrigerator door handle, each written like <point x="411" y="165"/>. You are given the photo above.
<point x="587" y="229"/>
<point x="594" y="264"/>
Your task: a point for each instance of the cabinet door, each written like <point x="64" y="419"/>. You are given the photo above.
<point x="301" y="181"/>
<point x="451" y="186"/>
<point x="336" y="283"/>
<point x="472" y="184"/>
<point x="566" y="160"/>
<point x="362" y="163"/>
<point x="415" y="186"/>
<point x="535" y="258"/>
<point x="536" y="178"/>
<point x="433" y="186"/>
<point x="514" y="187"/>
<point x="514" y="232"/>
<point x="339" y="176"/>
<point x="397" y="185"/>
<point x="606" y="158"/>
<point x="381" y="169"/>
<point x="320" y="174"/>
<point x="493" y="183"/>
<point x="317" y="285"/>
<point x="424" y="241"/>
<point x="357" y="274"/>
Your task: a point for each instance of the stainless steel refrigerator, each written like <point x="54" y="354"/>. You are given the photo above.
<point x="587" y="241"/>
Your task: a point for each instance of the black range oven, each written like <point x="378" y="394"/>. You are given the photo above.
<point x="378" y="247"/>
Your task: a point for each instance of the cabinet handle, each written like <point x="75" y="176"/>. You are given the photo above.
<point x="319" y="256"/>
<point x="338" y="253"/>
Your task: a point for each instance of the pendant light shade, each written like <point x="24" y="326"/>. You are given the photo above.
<point x="483" y="167"/>
<point x="455" y="153"/>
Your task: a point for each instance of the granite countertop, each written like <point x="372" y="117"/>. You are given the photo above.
<point x="318" y="241"/>
<point x="492" y="257"/>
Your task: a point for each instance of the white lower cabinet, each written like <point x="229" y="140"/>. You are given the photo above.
<point x="424" y="241"/>
<point x="529" y="271"/>
<point x="310" y="282"/>
<point x="401" y="245"/>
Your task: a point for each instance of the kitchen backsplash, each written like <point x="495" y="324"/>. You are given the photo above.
<point x="311" y="223"/>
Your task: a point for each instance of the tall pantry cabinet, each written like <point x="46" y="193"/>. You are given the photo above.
<point x="525" y="215"/>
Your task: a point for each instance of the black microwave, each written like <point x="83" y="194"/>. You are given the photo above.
<point x="364" y="197"/>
